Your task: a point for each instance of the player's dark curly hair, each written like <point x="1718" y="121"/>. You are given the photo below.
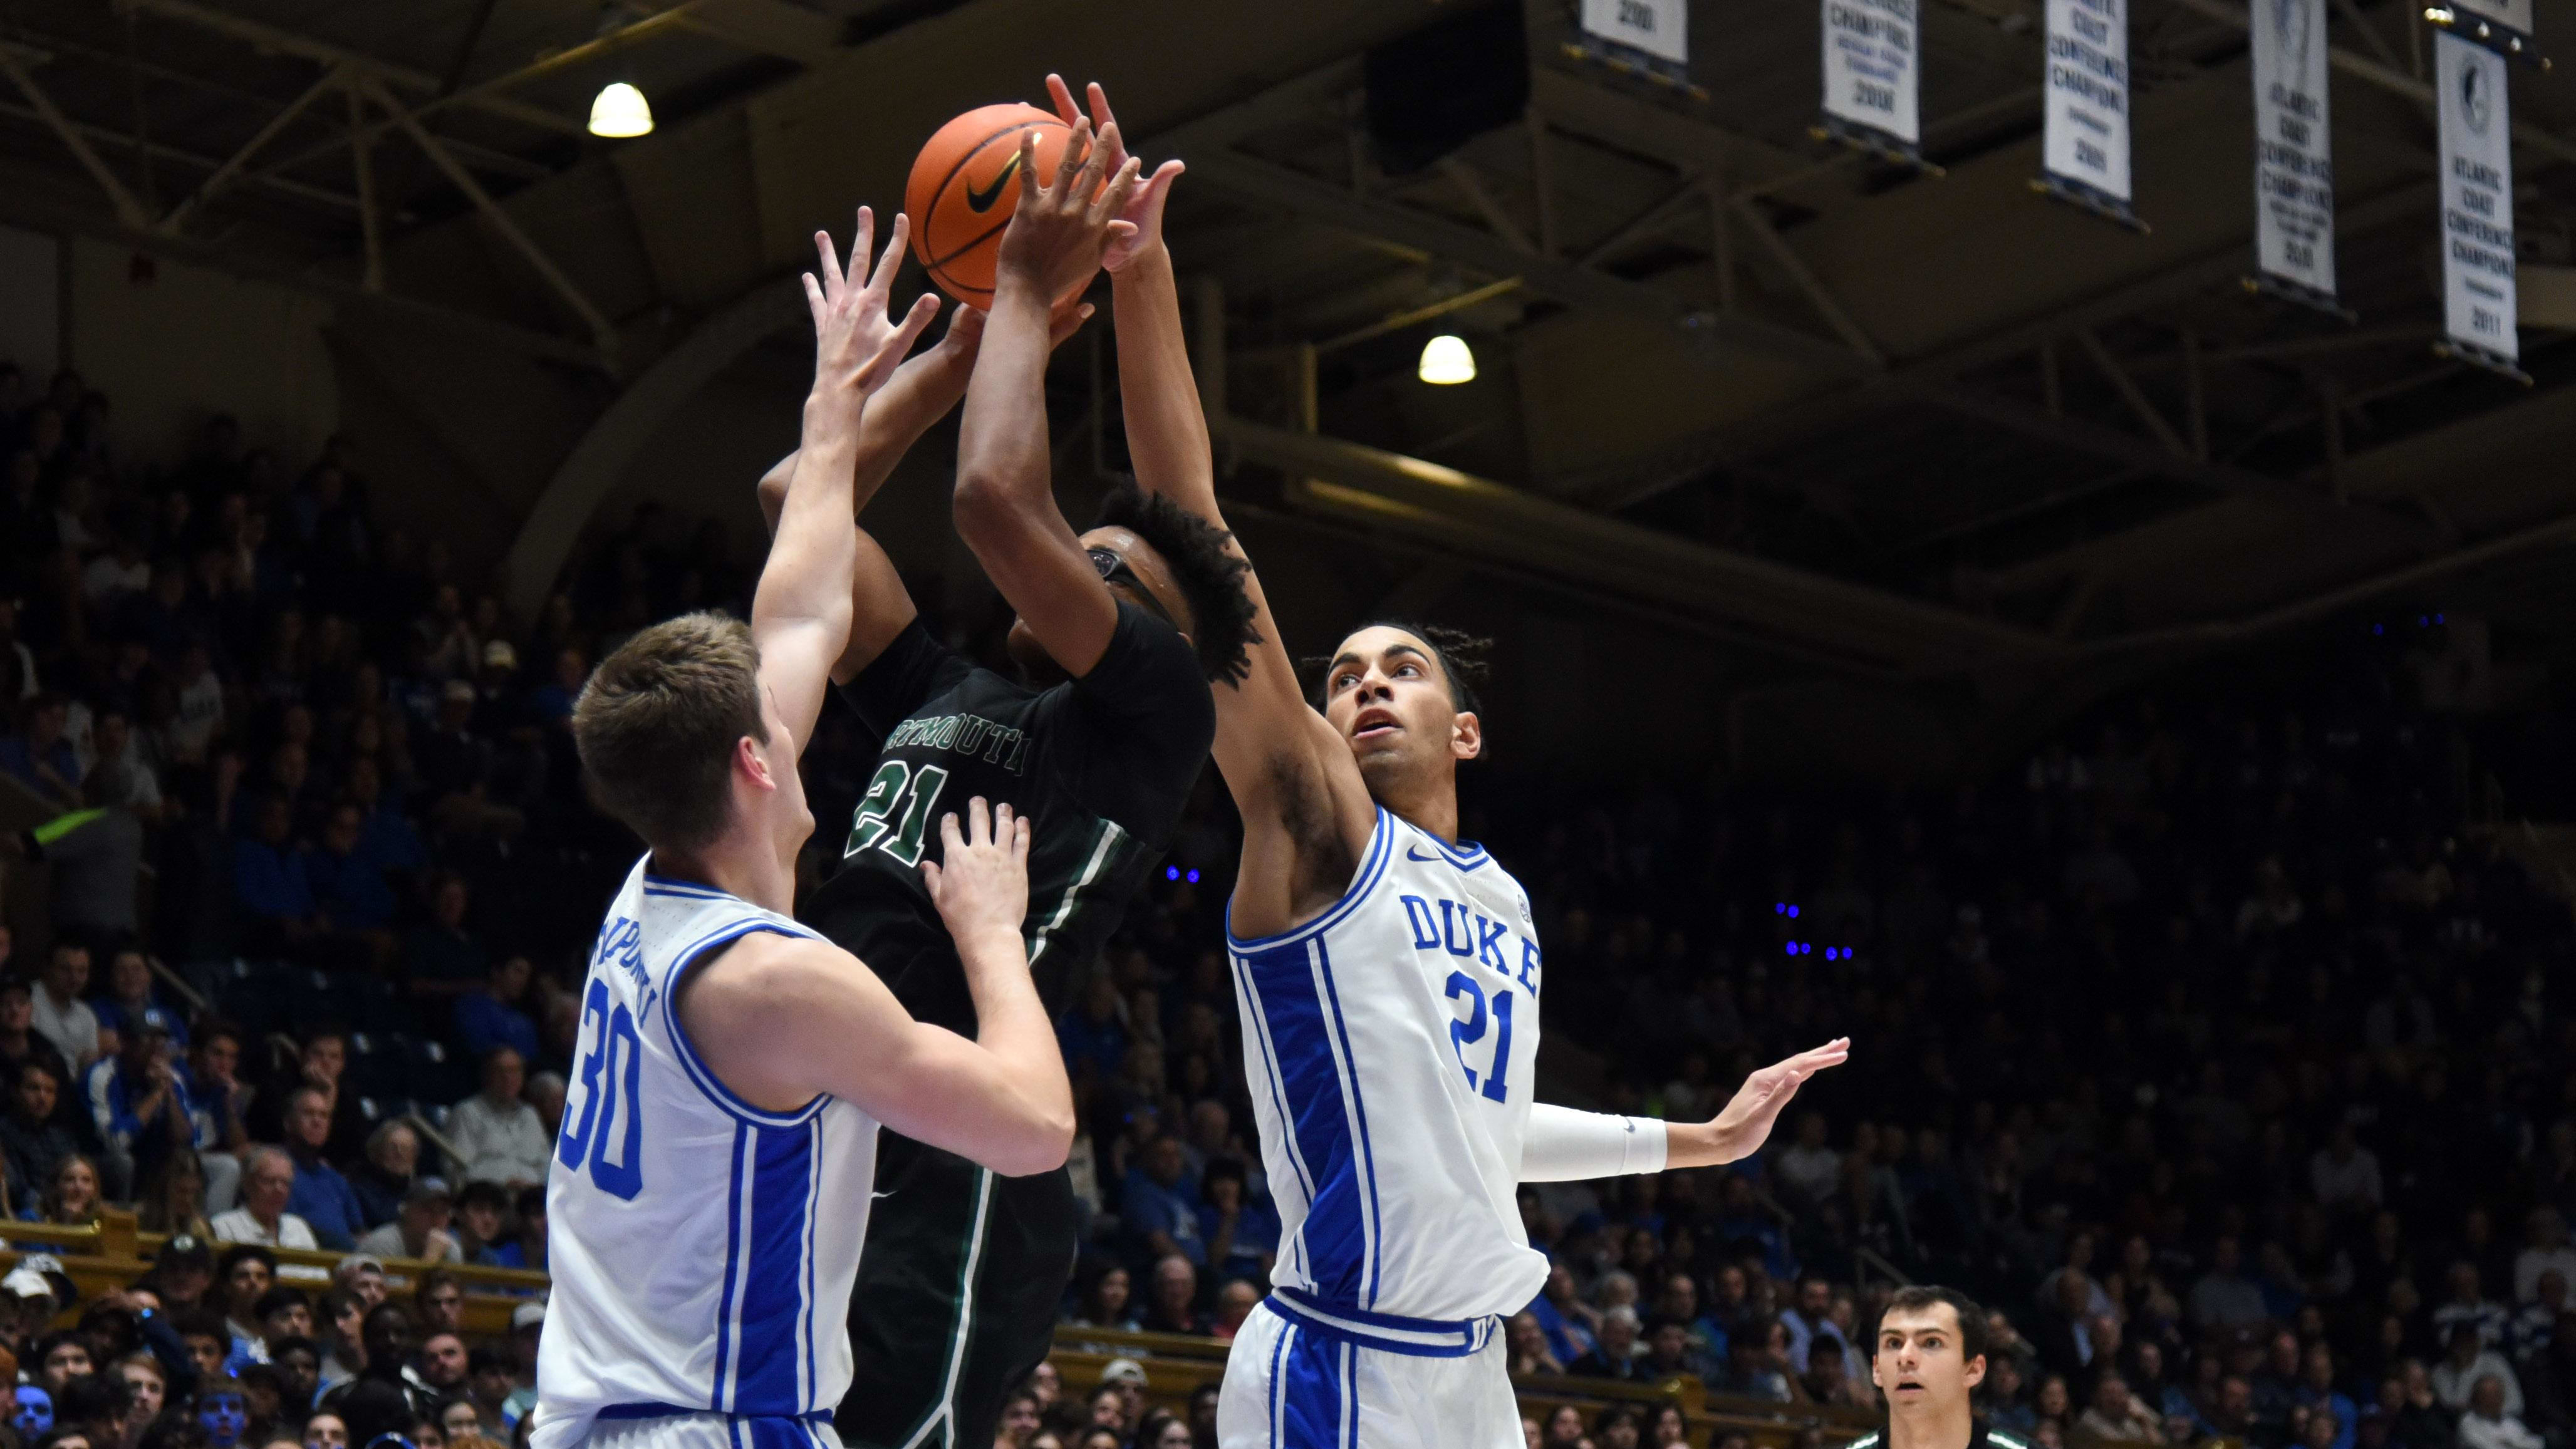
<point x="1211" y="578"/>
<point x="1465" y="660"/>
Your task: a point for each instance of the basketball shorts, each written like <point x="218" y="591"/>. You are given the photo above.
<point x="711" y="1431"/>
<point x="959" y="1288"/>
<point x="1306" y="1375"/>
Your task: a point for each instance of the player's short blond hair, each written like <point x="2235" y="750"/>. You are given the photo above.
<point x="657" y="724"/>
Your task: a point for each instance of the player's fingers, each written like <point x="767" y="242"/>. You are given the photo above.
<point x="1028" y="168"/>
<point x="1113" y="199"/>
<point x="1062" y="95"/>
<point x="831" y="264"/>
<point x="930" y="877"/>
<point x="814" y="298"/>
<point x="979" y="823"/>
<point x="1020" y="843"/>
<point x="1095" y="161"/>
<point x="1100" y="105"/>
<point x="863" y="244"/>
<point x="891" y="261"/>
<point x="949" y="839"/>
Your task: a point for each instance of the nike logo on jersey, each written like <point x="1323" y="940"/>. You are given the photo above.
<point x="1412" y="854"/>
<point x="980" y="199"/>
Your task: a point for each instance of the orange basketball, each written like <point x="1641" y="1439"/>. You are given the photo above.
<point x="966" y="185"/>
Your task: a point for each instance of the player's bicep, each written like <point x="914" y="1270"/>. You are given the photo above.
<point x="1033" y="557"/>
<point x="880" y="609"/>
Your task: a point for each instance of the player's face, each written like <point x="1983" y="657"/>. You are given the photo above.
<point x="1918" y="1364"/>
<point x="1135" y="573"/>
<point x="1386" y="694"/>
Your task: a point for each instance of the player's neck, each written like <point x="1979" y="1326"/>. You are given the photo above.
<point x="1426" y="804"/>
<point x="738" y="866"/>
<point x="1930" y="1426"/>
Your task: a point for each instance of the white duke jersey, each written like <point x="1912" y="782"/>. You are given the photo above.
<point x="1389" y="1044"/>
<point x="702" y="1249"/>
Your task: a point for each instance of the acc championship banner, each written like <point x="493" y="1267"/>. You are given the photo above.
<point x="2086" y="154"/>
<point x="1870" y="51"/>
<point x="2478" y="308"/>
<point x="2293" y="149"/>
<point x="1659" y="28"/>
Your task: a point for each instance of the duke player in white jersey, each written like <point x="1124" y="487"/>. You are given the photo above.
<point x="710" y="1188"/>
<point x="1389" y="978"/>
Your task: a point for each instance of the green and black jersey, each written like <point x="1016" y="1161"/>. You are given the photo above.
<point x="1100" y="766"/>
<point x="1981" y="1435"/>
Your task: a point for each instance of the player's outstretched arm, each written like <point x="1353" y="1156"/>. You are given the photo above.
<point x="1005" y="504"/>
<point x="1564" y="1145"/>
<point x="1280" y="759"/>
<point x="800" y="615"/>
<point x="782" y="1018"/>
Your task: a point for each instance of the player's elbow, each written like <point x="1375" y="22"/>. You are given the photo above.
<point x="1042" y="1145"/>
<point x="773" y="496"/>
<point x="986" y="504"/>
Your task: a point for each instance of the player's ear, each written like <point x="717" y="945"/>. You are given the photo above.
<point x="1466" y="735"/>
<point x="1975" y="1372"/>
<point x="752" y="765"/>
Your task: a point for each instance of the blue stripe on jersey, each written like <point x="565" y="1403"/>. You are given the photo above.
<point x="698" y="1072"/>
<point x="777" y="1433"/>
<point x="1372" y="865"/>
<point x="1336" y="1235"/>
<point x="1349" y="1067"/>
<point x="773" y="1306"/>
<point x="1270" y="1074"/>
<point x="725" y="1353"/>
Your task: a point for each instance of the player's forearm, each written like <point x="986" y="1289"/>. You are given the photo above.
<point x="1011" y="1025"/>
<point x="1167" y="432"/>
<point x="1561" y="1144"/>
<point x="807" y="576"/>
<point x="1002" y="460"/>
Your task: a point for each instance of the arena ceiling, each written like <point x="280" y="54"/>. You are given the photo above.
<point x="1857" y="425"/>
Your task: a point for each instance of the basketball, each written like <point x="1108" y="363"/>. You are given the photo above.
<point x="965" y="186"/>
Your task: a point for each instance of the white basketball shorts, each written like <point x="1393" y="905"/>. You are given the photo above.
<point x="1305" y="1375"/>
<point x="710" y="1431"/>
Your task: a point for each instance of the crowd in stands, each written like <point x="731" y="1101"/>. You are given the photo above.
<point x="2208" y="1047"/>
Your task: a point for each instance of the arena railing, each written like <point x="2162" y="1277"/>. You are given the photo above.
<point x="113" y="1252"/>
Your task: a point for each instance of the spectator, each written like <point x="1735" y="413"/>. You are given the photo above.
<point x="174" y="1197"/>
<point x="1526" y="1349"/>
<point x="1104" y="1300"/>
<point x="496" y="1133"/>
<point x="321" y="1197"/>
<point x="2318" y="1396"/>
<point x="268" y="1182"/>
<point x="2224" y="1298"/>
<point x="2344" y="1174"/>
<point x="1614" y="1356"/>
<point x="384" y="1177"/>
<point x="60" y="1016"/>
<point x="1810" y="1168"/>
<point x="442" y="959"/>
<point x="1155" y="1204"/>
<point x="494" y="1015"/>
<point x="1234" y="1303"/>
<point x="347" y="883"/>
<point x="2116" y="1416"/>
<point x="2469" y="1304"/>
<point x="525" y="1248"/>
<point x="1240" y="1237"/>
<point x="2546" y="1250"/>
<point x="1173" y="1308"/>
<point x="39" y="754"/>
<point x="2468" y="1360"/>
<point x="482" y="1218"/>
<point x="138" y="1100"/>
<point x="421" y="1231"/>
<point x="438" y="1302"/>
<point x="31" y="1136"/>
<point x="248" y="1271"/>
<point x="2489" y="1424"/>
<point x="269" y="882"/>
<point x="71" y="1198"/>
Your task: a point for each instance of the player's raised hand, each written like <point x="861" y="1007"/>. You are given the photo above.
<point x="1741" y="1129"/>
<point x="1144" y="207"/>
<point x="981" y="882"/>
<point x="1059" y="232"/>
<point x="858" y="343"/>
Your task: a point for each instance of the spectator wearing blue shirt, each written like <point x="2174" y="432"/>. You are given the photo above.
<point x="443" y="960"/>
<point x="349" y="888"/>
<point x="40" y="754"/>
<point x="269" y="882"/>
<point x="138" y="1100"/>
<point x="1559" y="1311"/>
<point x="2317" y="1394"/>
<point x="129" y="996"/>
<point x="527" y="1247"/>
<point x="385" y="833"/>
<point x="491" y="1016"/>
<point x="321" y="1197"/>
<point x="1241" y="1236"/>
<point x="1093" y="1034"/>
<point x="1159" y="1216"/>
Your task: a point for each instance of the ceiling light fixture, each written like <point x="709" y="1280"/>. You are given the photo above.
<point x="1446" y="360"/>
<point x="620" y="112"/>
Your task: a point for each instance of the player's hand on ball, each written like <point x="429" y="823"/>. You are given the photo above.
<point x="981" y="882"/>
<point x="1746" y="1123"/>
<point x="1058" y="234"/>
<point x="858" y="344"/>
<point x="1144" y="208"/>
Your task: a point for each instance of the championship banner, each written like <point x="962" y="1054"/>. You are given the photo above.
<point x="2085" y="155"/>
<point x="2478" y="306"/>
<point x="1653" y="35"/>
<point x="1871" y="48"/>
<point x="2293" y="153"/>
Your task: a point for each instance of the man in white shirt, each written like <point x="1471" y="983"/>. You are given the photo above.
<point x="499" y="1137"/>
<point x="1810" y="1168"/>
<point x="267" y="1180"/>
<point x="2546" y="1235"/>
<point x="2468" y="1364"/>
<point x="61" y="1016"/>
<point x="2489" y="1425"/>
<point x="421" y="1231"/>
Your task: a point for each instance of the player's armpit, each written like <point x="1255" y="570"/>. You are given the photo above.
<point x="781" y="1019"/>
